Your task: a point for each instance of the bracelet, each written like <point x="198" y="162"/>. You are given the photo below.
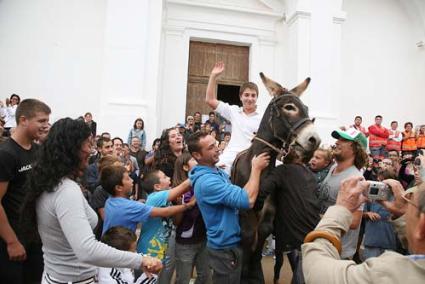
<point x="324" y="235"/>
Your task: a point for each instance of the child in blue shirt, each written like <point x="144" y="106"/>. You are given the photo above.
<point x="121" y="211"/>
<point x="156" y="231"/>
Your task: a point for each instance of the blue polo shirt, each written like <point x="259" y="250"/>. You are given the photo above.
<point x="124" y="212"/>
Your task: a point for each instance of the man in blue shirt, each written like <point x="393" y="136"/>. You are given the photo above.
<point x="219" y="201"/>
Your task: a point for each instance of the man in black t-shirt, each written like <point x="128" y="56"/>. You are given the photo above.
<point x="292" y="188"/>
<point x="21" y="259"/>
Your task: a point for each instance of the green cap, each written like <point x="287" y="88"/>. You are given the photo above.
<point x="351" y="134"/>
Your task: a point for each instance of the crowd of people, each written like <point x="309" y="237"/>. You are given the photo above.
<point x="82" y="207"/>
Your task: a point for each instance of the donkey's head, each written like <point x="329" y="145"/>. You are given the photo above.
<point x="288" y="119"/>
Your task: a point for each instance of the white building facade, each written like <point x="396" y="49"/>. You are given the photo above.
<point x="122" y="59"/>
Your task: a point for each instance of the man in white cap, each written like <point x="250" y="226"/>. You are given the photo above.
<point x="350" y="156"/>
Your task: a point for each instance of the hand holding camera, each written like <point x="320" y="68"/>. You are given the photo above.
<point x="351" y="194"/>
<point x="398" y="205"/>
<point x="378" y="191"/>
<point x="355" y="191"/>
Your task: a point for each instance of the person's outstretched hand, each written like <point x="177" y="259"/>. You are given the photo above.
<point x="218" y="69"/>
<point x="398" y="206"/>
<point x="351" y="194"/>
<point x="151" y="265"/>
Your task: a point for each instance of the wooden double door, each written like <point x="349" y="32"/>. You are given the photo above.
<point x="202" y="57"/>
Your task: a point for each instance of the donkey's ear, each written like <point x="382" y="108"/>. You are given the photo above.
<point x="274" y="89"/>
<point x="299" y="90"/>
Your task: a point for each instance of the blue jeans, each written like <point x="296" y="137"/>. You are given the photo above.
<point x="372" y="252"/>
<point x="188" y="256"/>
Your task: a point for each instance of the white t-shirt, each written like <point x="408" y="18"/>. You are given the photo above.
<point x="328" y="193"/>
<point x="244" y="126"/>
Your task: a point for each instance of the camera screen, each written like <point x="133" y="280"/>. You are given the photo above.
<point x="373" y="190"/>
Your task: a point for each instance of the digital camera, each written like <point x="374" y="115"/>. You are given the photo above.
<point x="378" y="191"/>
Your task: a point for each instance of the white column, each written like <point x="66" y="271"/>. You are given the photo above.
<point x="151" y="86"/>
<point x="172" y="100"/>
<point x="264" y="62"/>
<point x="298" y="19"/>
<point x="314" y="29"/>
<point x="132" y="40"/>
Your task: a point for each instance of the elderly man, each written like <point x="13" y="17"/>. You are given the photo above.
<point x="321" y="260"/>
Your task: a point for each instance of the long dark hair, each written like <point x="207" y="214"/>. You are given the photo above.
<point x="58" y="157"/>
<point x="135" y="122"/>
<point x="180" y="175"/>
<point x="164" y="155"/>
<point x="361" y="158"/>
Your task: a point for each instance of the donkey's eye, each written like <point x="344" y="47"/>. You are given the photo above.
<point x="289" y="108"/>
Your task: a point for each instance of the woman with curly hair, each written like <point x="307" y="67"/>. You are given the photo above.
<point x="138" y="130"/>
<point x="62" y="215"/>
<point x="170" y="148"/>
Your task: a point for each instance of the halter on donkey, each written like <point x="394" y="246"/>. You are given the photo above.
<point x="284" y="128"/>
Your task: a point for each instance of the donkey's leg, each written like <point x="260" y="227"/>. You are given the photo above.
<point x="256" y="227"/>
<point x="248" y="223"/>
<point x="263" y="228"/>
<point x="265" y="223"/>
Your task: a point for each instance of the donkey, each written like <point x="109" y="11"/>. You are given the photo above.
<point x="284" y="128"/>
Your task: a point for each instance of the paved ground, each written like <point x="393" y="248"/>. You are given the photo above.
<point x="268" y="268"/>
<point x="285" y="272"/>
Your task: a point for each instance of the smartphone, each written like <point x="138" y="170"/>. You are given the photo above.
<point x="378" y="191"/>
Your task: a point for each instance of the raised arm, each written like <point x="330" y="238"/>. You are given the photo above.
<point x="171" y="210"/>
<point x="179" y="190"/>
<point x="211" y="94"/>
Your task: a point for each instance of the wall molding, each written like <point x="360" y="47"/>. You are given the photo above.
<point x="233" y="8"/>
<point x="298" y="15"/>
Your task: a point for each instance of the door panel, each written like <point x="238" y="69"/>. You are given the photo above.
<point x="202" y="57"/>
